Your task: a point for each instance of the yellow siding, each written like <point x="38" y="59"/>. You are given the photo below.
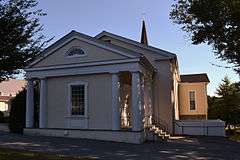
<point x="201" y="98"/>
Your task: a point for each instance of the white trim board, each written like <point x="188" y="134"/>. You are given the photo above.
<point x="73" y="71"/>
<point x="83" y="64"/>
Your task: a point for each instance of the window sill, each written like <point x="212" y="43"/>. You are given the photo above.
<point x="77" y="56"/>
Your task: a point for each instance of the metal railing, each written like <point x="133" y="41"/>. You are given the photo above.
<point x="205" y="128"/>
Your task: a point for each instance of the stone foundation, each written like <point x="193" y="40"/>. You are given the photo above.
<point x="105" y="135"/>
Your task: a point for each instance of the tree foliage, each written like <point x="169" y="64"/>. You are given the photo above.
<point x="18" y="110"/>
<point x="21" y="35"/>
<point x="227" y="105"/>
<point x="215" y="22"/>
<point x="17" y="113"/>
<point x="226" y="88"/>
<point x="214" y="111"/>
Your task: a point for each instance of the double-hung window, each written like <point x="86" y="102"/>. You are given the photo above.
<point x="192" y="100"/>
<point x="78" y="99"/>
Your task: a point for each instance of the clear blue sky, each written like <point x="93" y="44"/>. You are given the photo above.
<point x="124" y="18"/>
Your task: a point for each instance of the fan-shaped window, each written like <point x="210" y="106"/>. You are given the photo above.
<point x="75" y="52"/>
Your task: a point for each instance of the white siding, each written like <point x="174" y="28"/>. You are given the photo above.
<point x="99" y="101"/>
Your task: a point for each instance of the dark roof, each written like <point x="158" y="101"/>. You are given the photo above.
<point x="144" y="39"/>
<point x="136" y="43"/>
<point x="194" y="78"/>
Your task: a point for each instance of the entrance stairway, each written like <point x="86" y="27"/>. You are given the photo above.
<point x="154" y="133"/>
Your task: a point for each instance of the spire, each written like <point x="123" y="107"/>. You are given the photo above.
<point x="144" y="39"/>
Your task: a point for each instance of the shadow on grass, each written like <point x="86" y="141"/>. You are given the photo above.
<point x="14" y="154"/>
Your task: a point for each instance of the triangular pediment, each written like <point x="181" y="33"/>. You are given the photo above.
<point x="77" y="48"/>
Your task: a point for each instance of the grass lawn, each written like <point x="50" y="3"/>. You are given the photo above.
<point x="12" y="154"/>
<point x="234" y="135"/>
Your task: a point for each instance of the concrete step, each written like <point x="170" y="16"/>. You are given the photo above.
<point x="157" y="134"/>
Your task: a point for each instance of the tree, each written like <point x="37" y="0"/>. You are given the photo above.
<point x="21" y="35"/>
<point x="18" y="110"/>
<point x="227" y="105"/>
<point x="214" y="111"/>
<point x="226" y="88"/>
<point x="215" y="22"/>
<point x="17" y="113"/>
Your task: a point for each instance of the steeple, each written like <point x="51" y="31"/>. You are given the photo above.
<point x="144" y="39"/>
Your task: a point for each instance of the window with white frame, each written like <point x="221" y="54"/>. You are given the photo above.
<point x="78" y="99"/>
<point x="192" y="100"/>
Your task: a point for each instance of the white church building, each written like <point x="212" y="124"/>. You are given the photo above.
<point x="111" y="88"/>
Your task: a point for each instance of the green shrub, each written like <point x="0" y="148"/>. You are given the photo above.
<point x="17" y="113"/>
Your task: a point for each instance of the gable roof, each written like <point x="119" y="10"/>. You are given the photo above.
<point x="138" y="44"/>
<point x="194" y="78"/>
<point x="74" y="34"/>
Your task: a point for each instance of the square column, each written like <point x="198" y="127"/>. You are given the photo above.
<point x="115" y="102"/>
<point x="137" y="102"/>
<point x="30" y="104"/>
<point x="148" y="100"/>
<point x="42" y="109"/>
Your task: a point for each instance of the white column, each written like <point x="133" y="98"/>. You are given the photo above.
<point x="142" y="107"/>
<point x="115" y="102"/>
<point x="148" y="104"/>
<point x="42" y="109"/>
<point x="30" y="104"/>
<point x="136" y="102"/>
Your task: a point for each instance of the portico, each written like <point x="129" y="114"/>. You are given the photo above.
<point x="137" y="101"/>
